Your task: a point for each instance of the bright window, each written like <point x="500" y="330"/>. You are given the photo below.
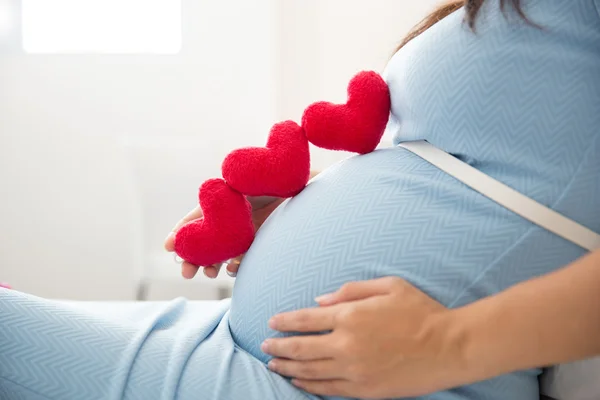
<point x="101" y="26"/>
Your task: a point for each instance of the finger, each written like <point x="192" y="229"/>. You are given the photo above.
<point x="358" y="291"/>
<point x="170" y="242"/>
<point x="188" y="271"/>
<point x="192" y="215"/>
<point x="300" y="348"/>
<point x="314" y="370"/>
<point x="234" y="266"/>
<point x="305" y="320"/>
<point x="213" y="271"/>
<point x="335" y="387"/>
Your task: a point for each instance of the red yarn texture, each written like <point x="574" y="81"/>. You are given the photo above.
<point x="356" y="126"/>
<point x="280" y="169"/>
<point x="225" y="232"/>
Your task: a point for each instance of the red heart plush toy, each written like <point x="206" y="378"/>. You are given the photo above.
<point x="356" y="126"/>
<point x="225" y="231"/>
<point x="280" y="169"/>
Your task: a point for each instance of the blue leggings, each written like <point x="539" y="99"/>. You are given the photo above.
<point x="177" y="350"/>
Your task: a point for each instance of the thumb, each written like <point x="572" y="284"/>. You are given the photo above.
<point x="354" y="291"/>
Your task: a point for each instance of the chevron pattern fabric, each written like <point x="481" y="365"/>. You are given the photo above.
<point x="178" y="350"/>
<point x="518" y="103"/>
<point x="521" y="104"/>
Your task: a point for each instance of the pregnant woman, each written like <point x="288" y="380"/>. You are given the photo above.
<point x="514" y="91"/>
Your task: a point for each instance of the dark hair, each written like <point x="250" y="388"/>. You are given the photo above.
<point x="472" y="8"/>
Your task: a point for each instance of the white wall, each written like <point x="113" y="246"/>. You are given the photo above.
<point x="83" y="138"/>
<point x="328" y="41"/>
<point x="331" y="40"/>
<point x="67" y="207"/>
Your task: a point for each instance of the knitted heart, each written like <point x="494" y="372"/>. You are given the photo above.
<point x="356" y="126"/>
<point x="225" y="231"/>
<point x="280" y="169"/>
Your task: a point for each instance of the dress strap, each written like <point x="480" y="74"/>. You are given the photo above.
<point x="506" y="196"/>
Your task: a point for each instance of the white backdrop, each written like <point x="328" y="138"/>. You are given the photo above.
<point x="70" y="190"/>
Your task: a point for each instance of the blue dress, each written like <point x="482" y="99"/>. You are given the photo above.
<point x="520" y="103"/>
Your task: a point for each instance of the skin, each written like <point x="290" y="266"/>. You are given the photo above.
<point x="388" y="339"/>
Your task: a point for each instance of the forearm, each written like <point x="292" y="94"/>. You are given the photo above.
<point x="545" y="321"/>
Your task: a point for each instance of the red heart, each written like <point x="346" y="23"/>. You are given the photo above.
<point x="280" y="169"/>
<point x="356" y="126"/>
<point x="226" y="230"/>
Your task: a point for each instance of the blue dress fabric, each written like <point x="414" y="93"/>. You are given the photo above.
<point x="176" y="350"/>
<point x="520" y="103"/>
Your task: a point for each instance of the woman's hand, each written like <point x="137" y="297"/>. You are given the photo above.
<point x="387" y="339"/>
<point x="262" y="207"/>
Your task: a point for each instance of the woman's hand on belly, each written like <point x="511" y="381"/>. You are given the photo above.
<point x="384" y="337"/>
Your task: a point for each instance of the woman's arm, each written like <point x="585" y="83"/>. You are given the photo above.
<point x="545" y="321"/>
<point x="403" y="343"/>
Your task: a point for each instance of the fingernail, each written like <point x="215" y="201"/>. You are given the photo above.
<point x="231" y="273"/>
<point x="265" y="346"/>
<point x="273" y="322"/>
<point x="170" y="236"/>
<point x="324" y="298"/>
<point x="272" y="364"/>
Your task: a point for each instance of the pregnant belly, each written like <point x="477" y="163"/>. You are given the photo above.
<point x="387" y="213"/>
